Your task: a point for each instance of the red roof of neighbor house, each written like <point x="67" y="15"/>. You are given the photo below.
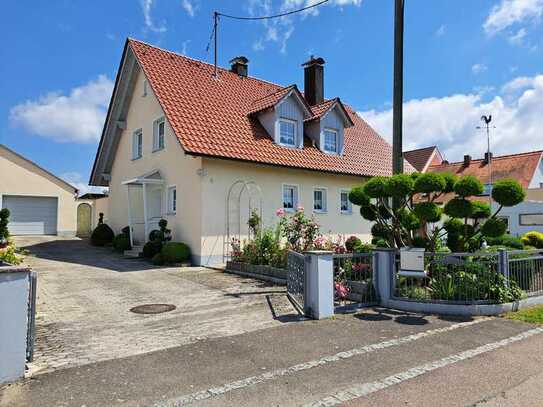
<point x="520" y="167"/>
<point x="210" y="118"/>
<point x="419" y="158"/>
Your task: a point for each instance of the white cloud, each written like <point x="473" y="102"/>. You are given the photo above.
<point x="479" y="68"/>
<point x="146" y="6"/>
<point x="518" y="37"/>
<point x="81" y="183"/>
<point x="450" y="122"/>
<point x="510" y="12"/>
<point x="440" y="32"/>
<point x="189" y="7"/>
<point x="77" y="117"/>
<point x="184" y="47"/>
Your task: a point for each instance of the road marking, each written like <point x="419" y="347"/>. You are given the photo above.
<point x="274" y="374"/>
<point x="364" y="389"/>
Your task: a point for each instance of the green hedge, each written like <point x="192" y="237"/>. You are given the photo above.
<point x="175" y="252"/>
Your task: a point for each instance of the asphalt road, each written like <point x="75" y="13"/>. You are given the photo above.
<point x="397" y="359"/>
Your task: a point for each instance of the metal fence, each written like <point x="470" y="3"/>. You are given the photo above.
<point x="296" y="279"/>
<point x="461" y="278"/>
<point x="31" y="319"/>
<point x="354" y="280"/>
<point x="526" y="269"/>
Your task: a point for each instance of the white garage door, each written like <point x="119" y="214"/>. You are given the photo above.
<point x="31" y="215"/>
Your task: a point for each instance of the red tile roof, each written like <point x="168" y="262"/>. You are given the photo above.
<point x="210" y="118"/>
<point x="419" y="158"/>
<point x="520" y="167"/>
<point x="272" y="99"/>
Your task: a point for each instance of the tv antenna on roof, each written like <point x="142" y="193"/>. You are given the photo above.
<point x="217" y="14"/>
<point x="486" y="126"/>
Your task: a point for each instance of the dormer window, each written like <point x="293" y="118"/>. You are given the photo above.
<point x="287" y="132"/>
<point x="330" y="141"/>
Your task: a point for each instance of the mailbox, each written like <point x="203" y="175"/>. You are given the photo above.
<point x="412" y="262"/>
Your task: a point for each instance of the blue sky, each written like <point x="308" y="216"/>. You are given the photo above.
<point x="462" y="59"/>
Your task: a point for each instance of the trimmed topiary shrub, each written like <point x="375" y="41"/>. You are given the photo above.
<point x="121" y="243"/>
<point x="152" y="248"/>
<point x="353" y="243"/>
<point x="450" y="180"/>
<point x="102" y="235"/>
<point x="408" y="220"/>
<point x="369" y="212"/>
<point x="458" y="208"/>
<point x="468" y="186"/>
<point x="158" y="259"/>
<point x="480" y="210"/>
<point x="175" y="252"/>
<point x="494" y="227"/>
<point x="399" y="185"/>
<point x="454" y="225"/>
<point x="379" y="230"/>
<point x="430" y="182"/>
<point x="376" y="187"/>
<point x="358" y="197"/>
<point x="508" y="192"/>
<point x="508" y="241"/>
<point x="534" y="239"/>
<point x="4" y="220"/>
<point x="428" y="211"/>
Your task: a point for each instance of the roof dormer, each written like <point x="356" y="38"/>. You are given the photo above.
<point x="327" y="126"/>
<point x="282" y="114"/>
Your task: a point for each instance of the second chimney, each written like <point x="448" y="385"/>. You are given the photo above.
<point x="488" y="157"/>
<point x="240" y="65"/>
<point x="467" y="160"/>
<point x="314" y="81"/>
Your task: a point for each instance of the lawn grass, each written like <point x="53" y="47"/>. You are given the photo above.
<point x="532" y="315"/>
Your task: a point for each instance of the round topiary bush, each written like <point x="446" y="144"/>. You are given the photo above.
<point x="4" y="221"/>
<point x="152" y="248"/>
<point x="468" y="186"/>
<point x="379" y="230"/>
<point x="376" y="187"/>
<point x="508" y="192"/>
<point x="121" y="243"/>
<point x="156" y="235"/>
<point x="158" y="259"/>
<point x="358" y="197"/>
<point x="458" y="208"/>
<point x="369" y="212"/>
<point x="175" y="252"/>
<point x="409" y="220"/>
<point x="430" y="182"/>
<point x="102" y="235"/>
<point x="353" y="243"/>
<point x="453" y="226"/>
<point x="428" y="211"/>
<point x="480" y="210"/>
<point x="450" y="180"/>
<point x="384" y="212"/>
<point x="399" y="185"/>
<point x="494" y="227"/>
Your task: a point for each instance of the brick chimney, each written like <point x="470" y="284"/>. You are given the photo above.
<point x="488" y="157"/>
<point x="314" y="80"/>
<point x="467" y="160"/>
<point x="240" y="65"/>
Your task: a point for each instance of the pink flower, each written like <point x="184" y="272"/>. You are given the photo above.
<point x="341" y="290"/>
<point x="280" y="212"/>
<point x="300" y="208"/>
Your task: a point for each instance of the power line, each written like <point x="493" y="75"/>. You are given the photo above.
<point x="275" y="15"/>
<point x="218" y="14"/>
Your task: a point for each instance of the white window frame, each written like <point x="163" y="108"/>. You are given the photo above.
<point x="296" y="197"/>
<point x="137" y="144"/>
<point x="295" y="124"/>
<point x="336" y="151"/>
<point x="157" y="146"/>
<point x="171" y="192"/>
<point x="324" y="192"/>
<point x="529" y="214"/>
<point x="349" y="210"/>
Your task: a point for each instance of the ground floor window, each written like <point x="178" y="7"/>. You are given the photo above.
<point x="172" y="199"/>
<point x="319" y="200"/>
<point x="531" y="219"/>
<point x="290" y="197"/>
<point x="345" y="204"/>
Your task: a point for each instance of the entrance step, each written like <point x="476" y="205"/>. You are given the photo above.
<point x="136" y="251"/>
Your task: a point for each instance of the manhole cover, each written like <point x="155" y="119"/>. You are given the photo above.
<point x="152" y="308"/>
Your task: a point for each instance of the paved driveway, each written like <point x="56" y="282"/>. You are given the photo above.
<point x="85" y="294"/>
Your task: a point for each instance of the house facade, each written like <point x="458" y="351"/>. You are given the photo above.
<point x="203" y="151"/>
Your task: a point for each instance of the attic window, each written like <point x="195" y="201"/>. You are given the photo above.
<point x="287" y="132"/>
<point x="330" y="140"/>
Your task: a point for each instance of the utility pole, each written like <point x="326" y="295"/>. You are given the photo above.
<point x="215" y="33"/>
<point x="487" y="120"/>
<point x="397" y="136"/>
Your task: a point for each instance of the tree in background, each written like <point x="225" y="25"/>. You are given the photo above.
<point x="416" y="219"/>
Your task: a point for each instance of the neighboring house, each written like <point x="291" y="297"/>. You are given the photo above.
<point x="423" y="158"/>
<point x="40" y="203"/>
<point x="201" y="151"/>
<point x="526" y="168"/>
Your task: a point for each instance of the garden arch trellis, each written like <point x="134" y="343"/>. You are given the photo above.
<point x="234" y="213"/>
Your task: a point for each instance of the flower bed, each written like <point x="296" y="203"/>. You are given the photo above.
<point x="259" y="270"/>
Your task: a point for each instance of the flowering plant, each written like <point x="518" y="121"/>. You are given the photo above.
<point x="236" y="253"/>
<point x="299" y="230"/>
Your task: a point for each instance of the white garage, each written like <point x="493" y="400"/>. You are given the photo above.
<point x="31" y="215"/>
<point x="39" y="202"/>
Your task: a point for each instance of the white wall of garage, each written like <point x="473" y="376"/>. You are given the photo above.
<point x="22" y="178"/>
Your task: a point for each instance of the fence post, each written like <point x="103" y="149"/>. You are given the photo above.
<point x="503" y="264"/>
<point x="384" y="265"/>
<point x="319" y="297"/>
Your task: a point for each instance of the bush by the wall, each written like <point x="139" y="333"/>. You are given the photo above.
<point x="152" y="248"/>
<point x="102" y="235"/>
<point x="158" y="259"/>
<point x="534" y="239"/>
<point x="508" y="241"/>
<point x="4" y="220"/>
<point x="121" y="243"/>
<point x="175" y="252"/>
<point x="353" y="243"/>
